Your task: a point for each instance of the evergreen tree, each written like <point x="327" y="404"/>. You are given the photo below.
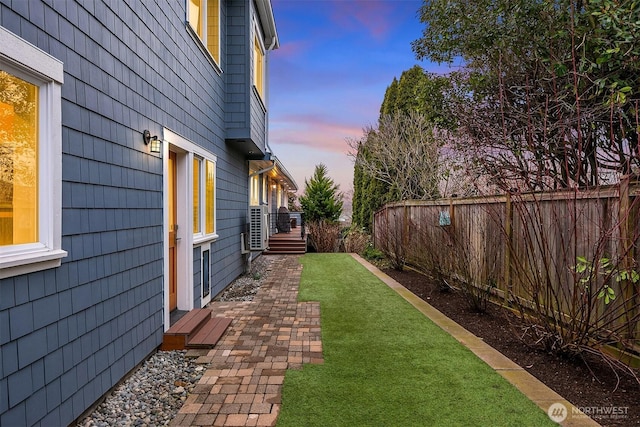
<point x="322" y="199"/>
<point x="389" y="103"/>
<point x="368" y="196"/>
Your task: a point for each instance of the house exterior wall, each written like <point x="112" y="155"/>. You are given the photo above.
<point x="238" y="70"/>
<point x="69" y="334"/>
<point x="245" y="112"/>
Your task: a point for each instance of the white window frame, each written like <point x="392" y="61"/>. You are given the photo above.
<point x="31" y="64"/>
<point x="279" y="195"/>
<point x="254" y="190"/>
<point x="203" y="236"/>
<point x="202" y="41"/>
<point x="257" y="34"/>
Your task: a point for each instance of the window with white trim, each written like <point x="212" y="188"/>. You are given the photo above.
<point x="204" y="203"/>
<point x="203" y="16"/>
<point x="254" y="190"/>
<point x="265" y="193"/>
<point x="258" y="63"/>
<point x="280" y="197"/>
<point x="30" y="157"/>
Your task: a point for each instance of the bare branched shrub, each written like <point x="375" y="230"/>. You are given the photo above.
<point x="576" y="279"/>
<point x="389" y="238"/>
<point x="564" y="118"/>
<point x="567" y="261"/>
<point x="356" y="241"/>
<point x="402" y="152"/>
<point x="324" y="235"/>
<point x="454" y="260"/>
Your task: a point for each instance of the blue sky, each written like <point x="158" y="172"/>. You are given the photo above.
<point x="328" y="78"/>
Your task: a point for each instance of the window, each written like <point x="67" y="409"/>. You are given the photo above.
<point x="203" y="17"/>
<point x="255" y="190"/>
<point x="18" y="160"/>
<point x="30" y="157"/>
<point x="258" y="66"/>
<point x="204" y="205"/>
<point x="210" y="196"/>
<point x="279" y="196"/>
<point x="264" y="190"/>
<point x="197" y="176"/>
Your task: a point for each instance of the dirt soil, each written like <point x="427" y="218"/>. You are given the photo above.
<point x="589" y="385"/>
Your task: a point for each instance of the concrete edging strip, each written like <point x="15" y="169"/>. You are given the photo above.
<point x="528" y="385"/>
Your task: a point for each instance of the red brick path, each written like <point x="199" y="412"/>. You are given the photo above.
<point x="272" y="333"/>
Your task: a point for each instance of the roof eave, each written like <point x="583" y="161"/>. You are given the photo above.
<point x="268" y="22"/>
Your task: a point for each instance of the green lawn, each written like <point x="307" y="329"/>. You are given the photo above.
<point x="386" y="364"/>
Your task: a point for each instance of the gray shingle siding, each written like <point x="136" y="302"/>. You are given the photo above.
<point x="257" y="118"/>
<point x="244" y="112"/>
<point x="68" y="334"/>
<point x="238" y="70"/>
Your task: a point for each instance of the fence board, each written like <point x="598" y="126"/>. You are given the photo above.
<point x="525" y="244"/>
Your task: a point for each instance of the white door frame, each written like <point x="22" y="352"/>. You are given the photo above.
<point x="184" y="199"/>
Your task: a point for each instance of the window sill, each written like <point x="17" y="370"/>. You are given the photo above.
<point x="15" y="265"/>
<point x="198" y="240"/>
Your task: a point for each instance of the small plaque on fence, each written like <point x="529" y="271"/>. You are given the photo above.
<point x="445" y="219"/>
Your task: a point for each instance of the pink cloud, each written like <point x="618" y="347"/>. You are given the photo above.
<point x="292" y="49"/>
<point x="374" y="16"/>
<point x="313" y="132"/>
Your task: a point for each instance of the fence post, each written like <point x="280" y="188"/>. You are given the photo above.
<point x="452" y="216"/>
<point x="405" y="226"/>
<point x="508" y="218"/>
<point x="626" y="247"/>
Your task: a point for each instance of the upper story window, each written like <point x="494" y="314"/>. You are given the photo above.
<point x="204" y="18"/>
<point x="258" y="63"/>
<point x="204" y="203"/>
<point x="30" y="157"/>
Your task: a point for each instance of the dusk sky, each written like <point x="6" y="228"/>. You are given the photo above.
<point x="328" y="78"/>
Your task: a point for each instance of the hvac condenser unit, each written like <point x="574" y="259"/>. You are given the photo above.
<point x="258" y="232"/>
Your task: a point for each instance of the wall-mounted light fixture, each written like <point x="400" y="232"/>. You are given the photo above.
<point x="153" y="140"/>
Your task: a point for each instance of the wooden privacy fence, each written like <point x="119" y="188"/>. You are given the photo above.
<point x="525" y="246"/>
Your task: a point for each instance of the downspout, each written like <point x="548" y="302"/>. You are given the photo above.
<point x="266" y="121"/>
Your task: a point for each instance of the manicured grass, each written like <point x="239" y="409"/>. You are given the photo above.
<point x="386" y="364"/>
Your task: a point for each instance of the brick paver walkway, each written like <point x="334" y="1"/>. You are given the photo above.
<point x="273" y="333"/>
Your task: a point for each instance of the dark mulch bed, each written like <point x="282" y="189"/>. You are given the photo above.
<point x="584" y="384"/>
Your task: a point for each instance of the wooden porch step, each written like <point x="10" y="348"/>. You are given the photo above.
<point x="197" y="329"/>
<point x="286" y="249"/>
<point x="286" y="244"/>
<point x="210" y="333"/>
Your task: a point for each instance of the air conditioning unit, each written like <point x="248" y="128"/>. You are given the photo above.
<point x="258" y="231"/>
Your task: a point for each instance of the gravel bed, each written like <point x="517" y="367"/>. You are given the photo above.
<point x="246" y="286"/>
<point x="153" y="394"/>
